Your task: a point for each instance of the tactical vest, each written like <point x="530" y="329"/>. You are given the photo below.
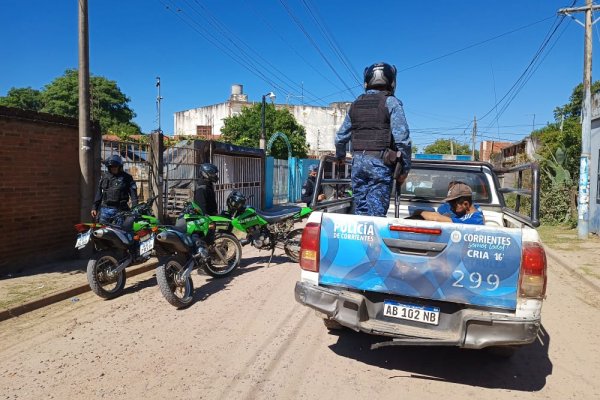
<point x="115" y="190"/>
<point x="371" y="122"/>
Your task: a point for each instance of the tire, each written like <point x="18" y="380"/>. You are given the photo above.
<point x="292" y="245"/>
<point x="502" y="352"/>
<point x="332" y="324"/>
<point x="178" y="294"/>
<point x="99" y="278"/>
<point x="225" y="255"/>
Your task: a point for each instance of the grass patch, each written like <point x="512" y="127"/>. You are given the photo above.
<point x="560" y="236"/>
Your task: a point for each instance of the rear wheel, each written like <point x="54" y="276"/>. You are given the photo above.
<point x="292" y="245"/>
<point x="101" y="276"/>
<point x="176" y="290"/>
<point x="225" y="255"/>
<point x="502" y="351"/>
<point x="332" y="324"/>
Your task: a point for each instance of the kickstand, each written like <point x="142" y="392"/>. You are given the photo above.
<point x="270" y="258"/>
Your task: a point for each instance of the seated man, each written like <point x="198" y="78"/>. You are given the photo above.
<point x="309" y="186"/>
<point x="459" y="208"/>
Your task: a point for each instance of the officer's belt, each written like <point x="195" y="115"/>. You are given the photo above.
<point x="372" y="153"/>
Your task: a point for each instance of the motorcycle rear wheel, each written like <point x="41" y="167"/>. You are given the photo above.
<point x="178" y="293"/>
<point x="292" y="245"/>
<point x="225" y="255"/>
<point x="99" y="276"/>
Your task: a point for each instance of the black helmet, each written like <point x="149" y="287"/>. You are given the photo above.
<point x="236" y="201"/>
<point x="209" y="172"/>
<point x="114" y="161"/>
<point x="380" y="76"/>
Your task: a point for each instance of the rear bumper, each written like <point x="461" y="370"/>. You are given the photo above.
<point x="467" y="328"/>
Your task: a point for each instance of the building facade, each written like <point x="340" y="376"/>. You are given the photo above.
<point x="320" y="123"/>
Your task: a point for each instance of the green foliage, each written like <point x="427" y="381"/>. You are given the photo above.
<point x="244" y="130"/>
<point x="109" y="106"/>
<point x="445" y="146"/>
<point x="557" y="205"/>
<point x="573" y="107"/>
<point x="23" y="98"/>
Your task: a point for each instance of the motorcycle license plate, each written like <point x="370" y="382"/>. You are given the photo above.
<point x="411" y="312"/>
<point x="83" y="239"/>
<point x="146" y="246"/>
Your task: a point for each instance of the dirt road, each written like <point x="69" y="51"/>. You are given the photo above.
<point x="246" y="338"/>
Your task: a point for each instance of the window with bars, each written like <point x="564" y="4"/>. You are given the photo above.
<point x="204" y="131"/>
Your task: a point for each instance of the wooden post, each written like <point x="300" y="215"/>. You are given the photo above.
<point x="155" y="177"/>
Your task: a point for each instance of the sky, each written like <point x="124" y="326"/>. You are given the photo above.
<point x="508" y="63"/>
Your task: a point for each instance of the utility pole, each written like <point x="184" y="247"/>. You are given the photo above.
<point x="583" y="197"/>
<point x="473" y="137"/>
<point x="86" y="144"/>
<point x="158" y="99"/>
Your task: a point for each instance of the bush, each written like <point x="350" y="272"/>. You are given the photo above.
<point x="557" y="205"/>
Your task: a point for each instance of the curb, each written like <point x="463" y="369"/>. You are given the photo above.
<point x="576" y="274"/>
<point x="63" y="295"/>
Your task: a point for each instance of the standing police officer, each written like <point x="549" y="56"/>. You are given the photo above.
<point x="375" y="123"/>
<point x="204" y="191"/>
<point x="115" y="189"/>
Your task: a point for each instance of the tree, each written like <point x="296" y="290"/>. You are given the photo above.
<point x="23" y="98"/>
<point x="244" y="129"/>
<point x="573" y="107"/>
<point x="109" y="106"/>
<point x="447" y="146"/>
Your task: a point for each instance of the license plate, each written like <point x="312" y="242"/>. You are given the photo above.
<point x="146" y="246"/>
<point x="83" y="239"/>
<point x="411" y="312"/>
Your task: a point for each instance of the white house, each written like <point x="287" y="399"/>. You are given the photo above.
<point x="321" y="123"/>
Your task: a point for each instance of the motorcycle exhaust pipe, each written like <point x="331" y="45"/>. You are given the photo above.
<point x="118" y="239"/>
<point x="171" y="238"/>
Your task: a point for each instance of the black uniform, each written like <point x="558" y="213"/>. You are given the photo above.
<point x="114" y="192"/>
<point x="204" y="196"/>
<point x="308" y="189"/>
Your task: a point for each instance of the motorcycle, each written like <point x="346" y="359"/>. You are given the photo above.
<point x="266" y="229"/>
<point x="117" y="246"/>
<point x="196" y="241"/>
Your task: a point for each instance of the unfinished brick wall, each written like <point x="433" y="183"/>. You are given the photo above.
<point x="39" y="188"/>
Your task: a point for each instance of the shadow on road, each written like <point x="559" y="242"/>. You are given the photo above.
<point x="526" y="370"/>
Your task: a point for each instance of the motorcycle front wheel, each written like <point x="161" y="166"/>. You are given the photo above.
<point x="176" y="290"/>
<point x="292" y="245"/>
<point x="101" y="277"/>
<point x="225" y="255"/>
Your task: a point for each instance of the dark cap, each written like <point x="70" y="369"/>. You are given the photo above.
<point x="458" y="189"/>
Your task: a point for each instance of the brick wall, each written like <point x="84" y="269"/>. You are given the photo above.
<point x="39" y="188"/>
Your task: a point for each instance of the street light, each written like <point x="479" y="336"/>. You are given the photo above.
<point x="270" y="95"/>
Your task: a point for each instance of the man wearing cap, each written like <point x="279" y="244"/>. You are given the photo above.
<point x="462" y="210"/>
<point x="309" y="185"/>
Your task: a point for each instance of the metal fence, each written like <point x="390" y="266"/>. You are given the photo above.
<point x="135" y="162"/>
<point x="280" y="181"/>
<point x="244" y="174"/>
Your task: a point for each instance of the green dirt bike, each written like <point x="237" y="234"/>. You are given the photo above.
<point x="265" y="229"/>
<point x="195" y="241"/>
<point x="117" y="246"/>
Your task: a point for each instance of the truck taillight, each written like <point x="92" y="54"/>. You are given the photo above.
<point x="533" y="271"/>
<point x="309" y="247"/>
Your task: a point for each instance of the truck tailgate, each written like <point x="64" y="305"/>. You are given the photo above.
<point x="477" y="265"/>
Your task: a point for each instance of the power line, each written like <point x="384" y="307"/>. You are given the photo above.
<point x="314" y="44"/>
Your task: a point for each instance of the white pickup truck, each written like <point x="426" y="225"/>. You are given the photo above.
<point x="417" y="282"/>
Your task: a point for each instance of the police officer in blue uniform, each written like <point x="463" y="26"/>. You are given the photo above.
<point x="377" y="128"/>
<point x="115" y="189"/>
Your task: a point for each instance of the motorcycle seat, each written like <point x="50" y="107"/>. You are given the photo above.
<point x="278" y="215"/>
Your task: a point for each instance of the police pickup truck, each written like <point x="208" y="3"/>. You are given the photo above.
<point x="417" y="282"/>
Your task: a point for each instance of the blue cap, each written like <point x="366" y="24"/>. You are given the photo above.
<point x="313" y="168"/>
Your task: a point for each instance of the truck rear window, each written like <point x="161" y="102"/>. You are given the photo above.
<point x="432" y="184"/>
